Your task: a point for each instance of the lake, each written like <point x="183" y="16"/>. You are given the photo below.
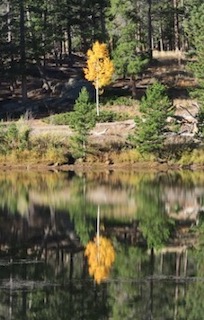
<point x="101" y="245"/>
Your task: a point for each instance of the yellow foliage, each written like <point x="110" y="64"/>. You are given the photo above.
<point x="99" y="66"/>
<point x="101" y="255"/>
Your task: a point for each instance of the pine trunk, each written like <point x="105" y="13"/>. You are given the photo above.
<point x="23" y="52"/>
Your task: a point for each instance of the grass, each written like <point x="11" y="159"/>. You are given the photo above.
<point x="194" y="157"/>
<point x="17" y="147"/>
<point x="130" y="156"/>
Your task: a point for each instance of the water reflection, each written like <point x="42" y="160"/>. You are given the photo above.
<point x="100" y="254"/>
<point x="153" y="224"/>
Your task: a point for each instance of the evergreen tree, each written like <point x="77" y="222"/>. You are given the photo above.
<point x="155" y="107"/>
<point x="127" y="61"/>
<point x="82" y="120"/>
<point x="195" y="31"/>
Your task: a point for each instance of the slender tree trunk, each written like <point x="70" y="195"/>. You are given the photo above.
<point x="69" y="39"/>
<point x="23" y="51"/>
<point x="161" y="42"/>
<point x="9" y="39"/>
<point x="150" y="29"/>
<point x="44" y="36"/>
<point x="97" y="98"/>
<point x="9" y="36"/>
<point x="133" y="85"/>
<point x="98" y="224"/>
<point x="176" y="26"/>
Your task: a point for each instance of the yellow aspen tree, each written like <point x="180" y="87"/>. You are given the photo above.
<point x="99" y="68"/>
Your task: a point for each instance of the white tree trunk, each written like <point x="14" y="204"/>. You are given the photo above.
<point x="97" y="98"/>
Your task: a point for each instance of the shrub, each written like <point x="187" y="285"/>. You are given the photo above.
<point x="110" y="116"/>
<point x="15" y="136"/>
<point x="59" y="119"/>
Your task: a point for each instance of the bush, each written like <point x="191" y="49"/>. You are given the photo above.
<point x="110" y="116"/>
<point x="104" y="116"/>
<point x="118" y="101"/>
<point x="14" y="137"/>
<point x="59" y="119"/>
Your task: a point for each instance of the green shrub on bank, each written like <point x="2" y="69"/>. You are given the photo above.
<point x="110" y="116"/>
<point x="118" y="101"/>
<point x="14" y="137"/>
<point x="59" y="119"/>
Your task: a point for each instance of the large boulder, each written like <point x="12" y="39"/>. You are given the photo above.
<point x="72" y="88"/>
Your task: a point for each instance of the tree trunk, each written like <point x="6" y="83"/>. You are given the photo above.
<point x="176" y="26"/>
<point x="133" y="85"/>
<point x="43" y="35"/>
<point x="69" y="39"/>
<point x="97" y="98"/>
<point x="161" y="41"/>
<point x="23" y="52"/>
<point x="150" y="29"/>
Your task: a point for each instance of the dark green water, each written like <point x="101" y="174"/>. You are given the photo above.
<point x="154" y="222"/>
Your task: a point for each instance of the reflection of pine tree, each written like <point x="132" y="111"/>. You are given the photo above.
<point x="153" y="219"/>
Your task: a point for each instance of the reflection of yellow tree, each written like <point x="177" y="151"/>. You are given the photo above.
<point x="101" y="255"/>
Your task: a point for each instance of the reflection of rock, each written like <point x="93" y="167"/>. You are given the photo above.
<point x="182" y="204"/>
<point x="118" y="202"/>
<point x="106" y="195"/>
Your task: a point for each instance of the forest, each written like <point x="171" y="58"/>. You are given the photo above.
<point x="42" y="40"/>
<point x="32" y="32"/>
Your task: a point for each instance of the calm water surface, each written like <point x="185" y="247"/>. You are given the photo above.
<point x="101" y="245"/>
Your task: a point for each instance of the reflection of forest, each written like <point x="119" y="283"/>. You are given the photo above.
<point x="46" y="219"/>
<point x="54" y="206"/>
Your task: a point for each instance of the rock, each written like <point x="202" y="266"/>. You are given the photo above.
<point x="72" y="88"/>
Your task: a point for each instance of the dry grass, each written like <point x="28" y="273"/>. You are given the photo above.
<point x="194" y="157"/>
<point x="130" y="156"/>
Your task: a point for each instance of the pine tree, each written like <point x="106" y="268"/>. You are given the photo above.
<point x="127" y="61"/>
<point x="99" y="68"/>
<point x="195" y="31"/>
<point x="155" y="107"/>
<point x="82" y="120"/>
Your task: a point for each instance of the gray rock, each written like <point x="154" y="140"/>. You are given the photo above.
<point x="73" y="87"/>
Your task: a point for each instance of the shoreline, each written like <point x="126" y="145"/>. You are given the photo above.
<point x="84" y="167"/>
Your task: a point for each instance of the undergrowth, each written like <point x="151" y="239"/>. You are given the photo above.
<point x="18" y="146"/>
<point x="194" y="157"/>
<point x="104" y="116"/>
